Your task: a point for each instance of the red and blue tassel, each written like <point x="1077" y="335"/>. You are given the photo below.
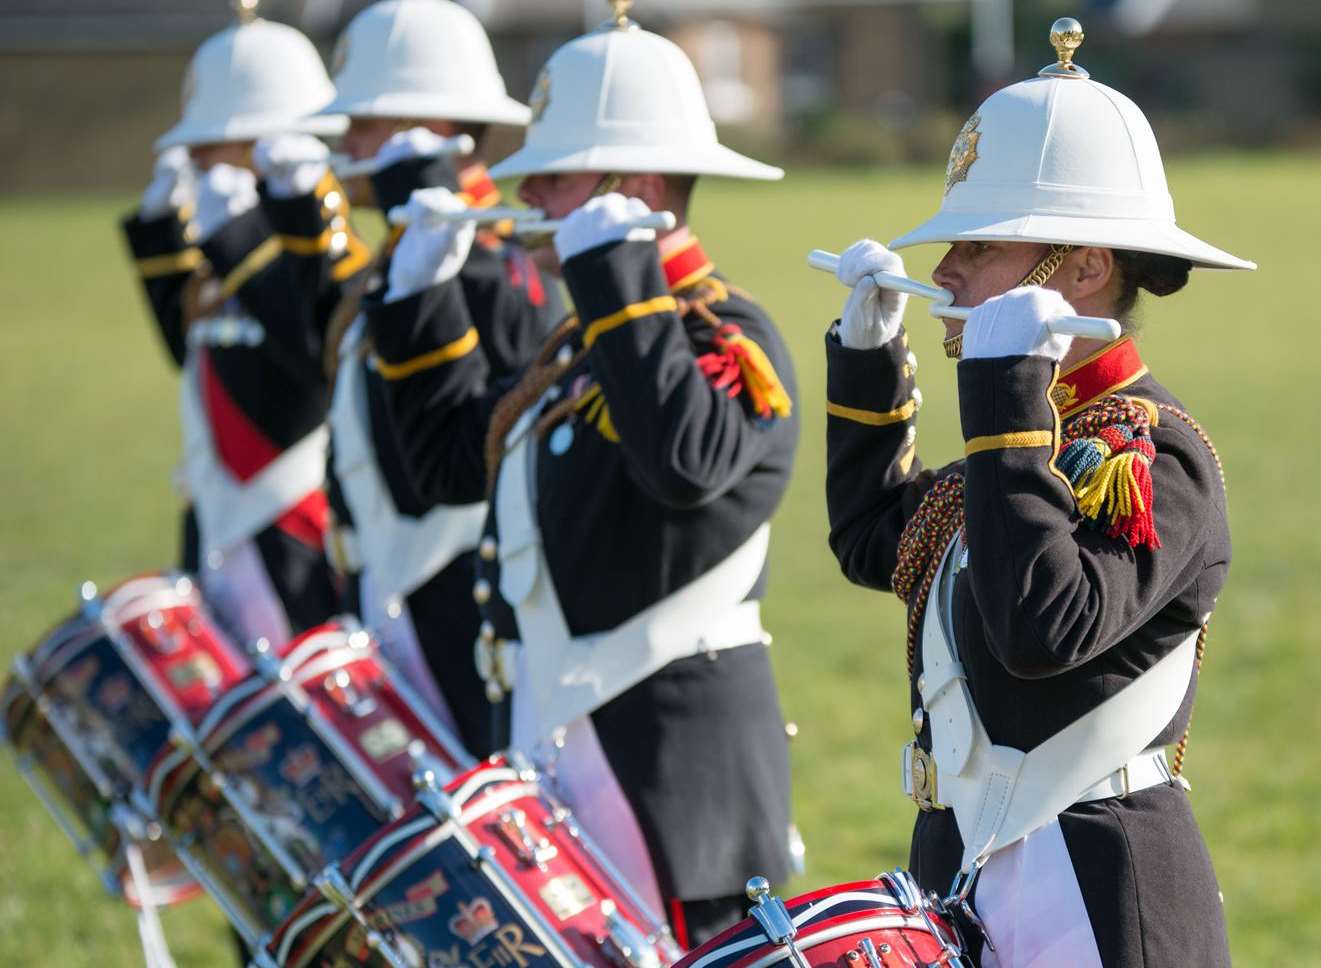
<point x="1106" y="455"/>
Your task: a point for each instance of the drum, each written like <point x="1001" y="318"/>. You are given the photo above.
<point x="882" y="923"/>
<point x="292" y="769"/>
<point x="88" y="709"/>
<point x="487" y="872"/>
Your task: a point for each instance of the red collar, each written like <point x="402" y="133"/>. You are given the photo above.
<point x="1106" y="371"/>
<point x="475" y="182"/>
<point x="687" y="265"/>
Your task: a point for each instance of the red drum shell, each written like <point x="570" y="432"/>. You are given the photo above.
<point x="422" y="883"/>
<point x="322" y="752"/>
<point x="832" y="925"/>
<point x="119" y="676"/>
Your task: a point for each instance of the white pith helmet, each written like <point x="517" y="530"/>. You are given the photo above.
<point x="420" y="59"/>
<point x="1060" y="158"/>
<point x="621" y="99"/>
<point x="251" y="80"/>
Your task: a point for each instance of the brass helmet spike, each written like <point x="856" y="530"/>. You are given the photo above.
<point x="1066" y="36"/>
<point x="245" y="10"/>
<point x="619" y="13"/>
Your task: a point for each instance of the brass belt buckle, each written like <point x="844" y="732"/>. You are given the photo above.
<point x="919" y="771"/>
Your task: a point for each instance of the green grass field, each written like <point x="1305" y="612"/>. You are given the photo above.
<point x="89" y="431"/>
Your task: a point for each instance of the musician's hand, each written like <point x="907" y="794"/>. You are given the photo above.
<point x="173" y="184"/>
<point x="223" y="193"/>
<point x="1014" y="324"/>
<point x="291" y="164"/>
<point x="430" y="251"/>
<point x="606" y="218"/>
<point x="871" y="315"/>
<point x="410" y="144"/>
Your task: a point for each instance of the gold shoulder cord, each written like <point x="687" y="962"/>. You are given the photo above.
<point x="1181" y="748"/>
<point x="1039" y="276"/>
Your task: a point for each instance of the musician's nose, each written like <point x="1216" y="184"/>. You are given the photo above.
<point x="945" y="275"/>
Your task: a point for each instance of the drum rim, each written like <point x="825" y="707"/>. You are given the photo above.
<point x="871" y="890"/>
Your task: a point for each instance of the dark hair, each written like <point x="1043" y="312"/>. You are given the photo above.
<point x="474" y="129"/>
<point x="680" y="190"/>
<point x="1160" y="275"/>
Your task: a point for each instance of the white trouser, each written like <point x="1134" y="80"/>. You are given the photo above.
<point x="392" y="624"/>
<point x="240" y="592"/>
<point x="1029" y="898"/>
<point x="581" y="775"/>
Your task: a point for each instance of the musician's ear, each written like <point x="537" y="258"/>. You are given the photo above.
<point x="648" y="187"/>
<point x="1088" y="271"/>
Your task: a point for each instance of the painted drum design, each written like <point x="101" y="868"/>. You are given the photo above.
<point x="93" y="704"/>
<point x="488" y="872"/>
<point x="882" y="923"/>
<point x="293" y="769"/>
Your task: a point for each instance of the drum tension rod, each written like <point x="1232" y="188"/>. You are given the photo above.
<point x="773" y="916"/>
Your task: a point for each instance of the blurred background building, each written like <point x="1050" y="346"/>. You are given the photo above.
<point x="86" y="85"/>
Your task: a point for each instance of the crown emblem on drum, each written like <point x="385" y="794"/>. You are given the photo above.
<point x="300" y="765"/>
<point x="963" y="154"/>
<point x="474" y="921"/>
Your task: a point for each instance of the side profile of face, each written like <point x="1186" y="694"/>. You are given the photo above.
<point x="364" y="135"/>
<point x="978" y="271"/>
<point x="363" y="139"/>
<point x="559" y="193"/>
<point x="236" y="153"/>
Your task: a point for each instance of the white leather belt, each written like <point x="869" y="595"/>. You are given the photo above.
<point x="1145" y="770"/>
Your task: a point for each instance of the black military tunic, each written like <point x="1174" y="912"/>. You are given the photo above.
<point x="513" y="308"/>
<point x="272" y="390"/>
<point x="1051" y="616"/>
<point x="660" y="475"/>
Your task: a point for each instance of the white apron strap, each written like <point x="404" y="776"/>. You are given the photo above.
<point x="230" y="511"/>
<point x="560" y="677"/>
<point x="999" y="794"/>
<point x="399" y="551"/>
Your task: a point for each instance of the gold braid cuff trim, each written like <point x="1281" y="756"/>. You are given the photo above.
<point x="308" y="245"/>
<point x="355" y="257"/>
<point x="661" y="304"/>
<point x="255" y="261"/>
<point x="872" y="418"/>
<point x="448" y="353"/>
<point x="1010" y="441"/>
<point x="172" y="263"/>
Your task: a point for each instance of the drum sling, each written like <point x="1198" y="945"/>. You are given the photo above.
<point x="999" y="794"/>
<point x="562" y="677"/>
<point x="230" y="511"/>
<point x="399" y="551"/>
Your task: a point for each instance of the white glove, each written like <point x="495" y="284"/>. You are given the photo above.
<point x="871" y="314"/>
<point x="1014" y="324"/>
<point x="410" y="144"/>
<point x="606" y="218"/>
<point x="173" y="184"/>
<point x="429" y="252"/>
<point x="224" y="193"/>
<point x="291" y="164"/>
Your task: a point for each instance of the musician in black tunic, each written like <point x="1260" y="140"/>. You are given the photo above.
<point x="661" y="436"/>
<point x="1087" y="532"/>
<point x="218" y="270"/>
<point x="416" y="77"/>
